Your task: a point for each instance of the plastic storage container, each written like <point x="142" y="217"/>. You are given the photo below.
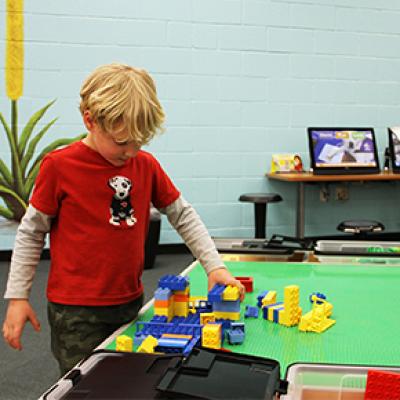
<point x="207" y="374"/>
<point x="328" y="381"/>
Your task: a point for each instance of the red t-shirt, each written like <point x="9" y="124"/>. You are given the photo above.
<point x="101" y="219"/>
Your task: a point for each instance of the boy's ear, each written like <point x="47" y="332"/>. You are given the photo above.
<point x="88" y="120"/>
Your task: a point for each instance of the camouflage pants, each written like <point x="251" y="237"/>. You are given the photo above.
<point x="77" y="330"/>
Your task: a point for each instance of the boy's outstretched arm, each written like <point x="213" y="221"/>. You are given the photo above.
<point x="188" y="224"/>
<point x="29" y="243"/>
<point x="19" y="311"/>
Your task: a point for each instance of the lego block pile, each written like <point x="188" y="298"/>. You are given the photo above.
<point x="181" y="322"/>
<point x="172" y="297"/>
<point x="288" y="312"/>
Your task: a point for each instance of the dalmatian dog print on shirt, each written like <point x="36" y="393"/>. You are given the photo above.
<point x="121" y="208"/>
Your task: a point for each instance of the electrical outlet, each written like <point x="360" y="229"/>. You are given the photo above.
<point x="342" y="193"/>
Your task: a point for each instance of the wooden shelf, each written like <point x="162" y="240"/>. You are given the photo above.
<point x="310" y="177"/>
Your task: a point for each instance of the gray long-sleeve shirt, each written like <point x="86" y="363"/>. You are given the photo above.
<point x="35" y="225"/>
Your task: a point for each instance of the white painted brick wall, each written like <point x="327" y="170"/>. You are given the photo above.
<point x="239" y="80"/>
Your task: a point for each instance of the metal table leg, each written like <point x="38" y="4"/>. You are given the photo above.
<point x="300" y="211"/>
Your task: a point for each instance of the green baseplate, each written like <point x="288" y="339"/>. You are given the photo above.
<point x="365" y="300"/>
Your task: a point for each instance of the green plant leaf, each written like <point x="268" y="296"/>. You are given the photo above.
<point x="6" y="213"/>
<point x="16" y="171"/>
<point x="27" y="131"/>
<point x="7" y="128"/>
<point x="6" y="192"/>
<point x="5" y="174"/>
<point x="30" y="179"/>
<point x="32" y="145"/>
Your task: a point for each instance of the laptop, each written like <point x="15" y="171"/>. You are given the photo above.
<point x="343" y="151"/>
<point x="394" y="148"/>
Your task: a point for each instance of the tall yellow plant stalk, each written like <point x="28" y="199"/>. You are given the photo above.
<point x="16" y="183"/>
<point x="15" y="49"/>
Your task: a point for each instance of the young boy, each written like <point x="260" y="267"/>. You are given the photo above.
<point x="94" y="198"/>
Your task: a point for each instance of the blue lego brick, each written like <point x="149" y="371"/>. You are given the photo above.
<point x="204" y="307"/>
<point x="159" y="319"/>
<point x="235" y="336"/>
<point x="187" y="350"/>
<point x="173" y="342"/>
<point x="265" y="309"/>
<point x="177" y="320"/>
<point x="237" y="326"/>
<point x="155" y="329"/>
<point x="276" y="314"/>
<point x="215" y="294"/>
<point x="193" y="319"/>
<point x="227" y="306"/>
<point x="318" y="295"/>
<point x="226" y="323"/>
<point x="251" y="312"/>
<point x="190" y="319"/>
<point x="186" y="329"/>
<point x="260" y="297"/>
<point x="162" y="293"/>
<point x="173" y="282"/>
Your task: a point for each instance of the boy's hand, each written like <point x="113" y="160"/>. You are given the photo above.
<point x="224" y="277"/>
<point x="18" y="312"/>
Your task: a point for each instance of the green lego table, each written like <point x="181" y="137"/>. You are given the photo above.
<point x="365" y="300"/>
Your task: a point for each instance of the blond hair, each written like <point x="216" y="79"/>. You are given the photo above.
<point x="118" y="95"/>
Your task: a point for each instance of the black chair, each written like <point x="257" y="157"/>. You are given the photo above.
<point x="260" y="201"/>
<point x="360" y="228"/>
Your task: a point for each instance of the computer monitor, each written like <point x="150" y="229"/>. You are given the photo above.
<point x="343" y="151"/>
<point x="394" y="148"/>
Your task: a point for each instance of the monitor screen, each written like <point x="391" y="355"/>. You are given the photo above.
<point x="343" y="148"/>
<point x="394" y="145"/>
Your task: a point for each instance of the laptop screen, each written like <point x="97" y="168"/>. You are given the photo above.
<point x="394" y="146"/>
<point x="343" y="150"/>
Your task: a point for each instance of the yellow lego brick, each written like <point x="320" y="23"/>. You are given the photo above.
<point x="271" y="311"/>
<point x="198" y="298"/>
<point x="231" y="293"/>
<point x="160" y="311"/>
<point x="193" y="302"/>
<point x="148" y="345"/>
<point x="124" y="343"/>
<point x="205" y="318"/>
<point x="327" y="308"/>
<point x="289" y="317"/>
<point x="319" y="321"/>
<point x="176" y="336"/>
<point x="233" y="316"/>
<point x="305" y="322"/>
<point x="269" y="298"/>
<point x="315" y="321"/>
<point x="168" y="312"/>
<point x="181" y="309"/>
<point x="323" y="325"/>
<point x="291" y="297"/>
<point x="211" y="336"/>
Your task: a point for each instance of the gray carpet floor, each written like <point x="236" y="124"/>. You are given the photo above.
<point x="29" y="373"/>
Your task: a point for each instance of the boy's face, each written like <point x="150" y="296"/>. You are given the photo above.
<point x="114" y="147"/>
